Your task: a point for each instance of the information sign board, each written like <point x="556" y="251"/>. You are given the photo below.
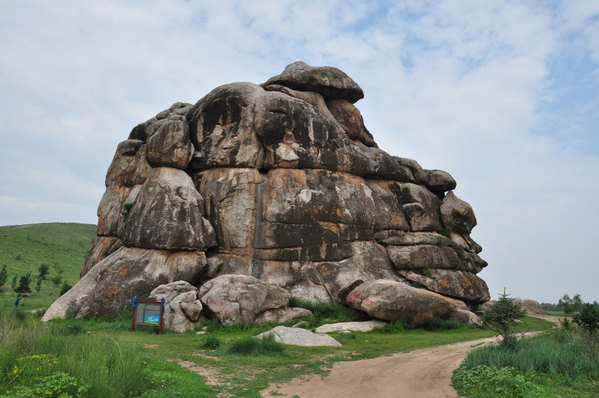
<point x="147" y="312"/>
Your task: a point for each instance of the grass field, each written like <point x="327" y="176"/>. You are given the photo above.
<point x="102" y="357"/>
<point x="146" y="363"/>
<point x="24" y="248"/>
<point x="556" y="364"/>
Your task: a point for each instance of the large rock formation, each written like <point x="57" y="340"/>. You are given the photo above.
<point x="282" y="182"/>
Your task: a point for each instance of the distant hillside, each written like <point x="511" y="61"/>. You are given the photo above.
<point x="61" y="246"/>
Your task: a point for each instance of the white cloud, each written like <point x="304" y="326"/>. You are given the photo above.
<point x="460" y="85"/>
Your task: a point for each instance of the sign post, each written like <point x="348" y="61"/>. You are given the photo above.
<point x="148" y="312"/>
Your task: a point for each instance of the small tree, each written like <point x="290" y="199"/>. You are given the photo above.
<point x="38" y="285"/>
<point x="3" y="276"/>
<point x="24" y="281"/>
<point x="588" y="320"/>
<point x="43" y="270"/>
<point x="502" y="315"/>
<point x="64" y="288"/>
<point x="571" y="304"/>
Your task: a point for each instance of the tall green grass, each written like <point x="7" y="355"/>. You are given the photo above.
<point x="555" y="352"/>
<point x="254" y="346"/>
<point x="549" y="365"/>
<point x="63" y="357"/>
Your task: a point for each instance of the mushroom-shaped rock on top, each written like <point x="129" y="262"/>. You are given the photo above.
<point x="330" y="82"/>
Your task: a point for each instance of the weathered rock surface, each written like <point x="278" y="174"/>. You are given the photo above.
<point x="457" y="215"/>
<point x="183" y="308"/>
<point x="351" y="120"/>
<point x="299" y="337"/>
<point x="389" y="300"/>
<point x="283" y="315"/>
<point x="459" y="284"/>
<point x="167" y="214"/>
<point x="531" y="307"/>
<point x="99" y="248"/>
<point x="283" y="183"/>
<point x="240" y="298"/>
<point x="329" y="81"/>
<point x="170" y="145"/>
<point x="109" y="286"/>
<point x="365" y="326"/>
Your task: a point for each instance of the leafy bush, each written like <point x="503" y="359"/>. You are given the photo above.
<point x="58" y="384"/>
<point x="254" y="346"/>
<point x="488" y="382"/>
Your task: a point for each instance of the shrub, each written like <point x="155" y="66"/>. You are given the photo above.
<point x="588" y="320"/>
<point x="65" y="288"/>
<point x="43" y="271"/>
<point x="254" y="346"/>
<point x="3" y="275"/>
<point x="395" y="327"/>
<point x="211" y="343"/>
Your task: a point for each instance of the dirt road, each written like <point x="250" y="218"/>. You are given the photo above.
<point x="420" y="373"/>
<point x="417" y="374"/>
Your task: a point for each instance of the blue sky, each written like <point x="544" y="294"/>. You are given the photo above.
<point x="504" y="95"/>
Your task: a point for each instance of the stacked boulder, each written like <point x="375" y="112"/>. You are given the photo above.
<point x="284" y="183"/>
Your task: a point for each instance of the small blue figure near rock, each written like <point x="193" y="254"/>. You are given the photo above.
<point x="17" y="301"/>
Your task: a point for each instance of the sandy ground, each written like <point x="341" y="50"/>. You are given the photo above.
<point x="420" y="373"/>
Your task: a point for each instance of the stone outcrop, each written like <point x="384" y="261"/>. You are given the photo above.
<point x="299" y="337"/>
<point x="240" y="298"/>
<point x="531" y="307"/>
<point x="364" y="326"/>
<point x="184" y="308"/>
<point x="281" y="182"/>
<point x="389" y="300"/>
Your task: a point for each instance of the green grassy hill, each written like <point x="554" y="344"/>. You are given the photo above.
<point x="24" y="248"/>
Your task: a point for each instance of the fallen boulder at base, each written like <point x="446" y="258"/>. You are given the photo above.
<point x="262" y="192"/>
<point x="299" y="337"/>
